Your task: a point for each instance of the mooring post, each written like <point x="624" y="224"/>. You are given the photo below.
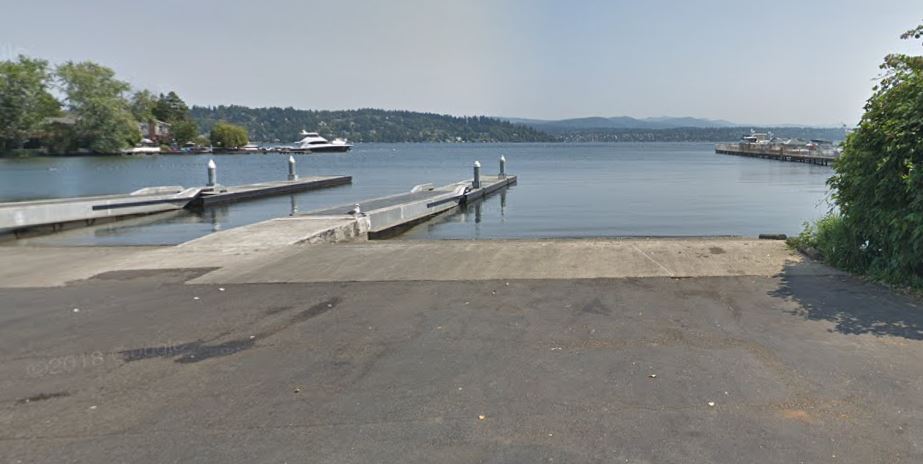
<point x="212" y="173"/>
<point x="292" y="175"/>
<point x="477" y="175"/>
<point x="502" y="167"/>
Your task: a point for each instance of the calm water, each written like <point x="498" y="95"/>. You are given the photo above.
<point x="565" y="190"/>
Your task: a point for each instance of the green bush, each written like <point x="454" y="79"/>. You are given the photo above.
<point x="878" y="183"/>
<point x="227" y="135"/>
<point x="834" y="240"/>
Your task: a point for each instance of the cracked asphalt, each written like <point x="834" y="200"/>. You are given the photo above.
<point x="137" y="367"/>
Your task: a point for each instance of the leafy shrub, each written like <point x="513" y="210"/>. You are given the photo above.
<point x="878" y="183"/>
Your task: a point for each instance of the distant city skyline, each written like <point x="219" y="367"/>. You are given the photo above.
<point x="810" y="63"/>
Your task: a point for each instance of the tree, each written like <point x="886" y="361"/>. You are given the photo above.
<point x="96" y="98"/>
<point x="184" y="130"/>
<point x="170" y="108"/>
<point x="143" y="103"/>
<point x="24" y="100"/>
<point x="227" y="135"/>
<point x="878" y="183"/>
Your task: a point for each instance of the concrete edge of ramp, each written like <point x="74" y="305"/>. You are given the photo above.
<point x="416" y="260"/>
<point x="281" y="232"/>
<point x="523" y="259"/>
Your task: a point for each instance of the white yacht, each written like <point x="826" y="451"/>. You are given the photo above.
<point x="313" y="142"/>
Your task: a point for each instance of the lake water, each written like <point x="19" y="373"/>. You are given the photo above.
<point x="564" y="190"/>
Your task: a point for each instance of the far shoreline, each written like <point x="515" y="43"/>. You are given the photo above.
<point x="20" y="155"/>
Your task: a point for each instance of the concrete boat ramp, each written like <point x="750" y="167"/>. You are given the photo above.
<point x="374" y="218"/>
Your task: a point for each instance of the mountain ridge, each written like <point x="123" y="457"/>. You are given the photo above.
<point x="629" y="122"/>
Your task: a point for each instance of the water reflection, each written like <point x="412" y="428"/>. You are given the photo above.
<point x="294" y="203"/>
<point x="466" y="219"/>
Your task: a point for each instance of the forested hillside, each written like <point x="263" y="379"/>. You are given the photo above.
<point x="366" y="125"/>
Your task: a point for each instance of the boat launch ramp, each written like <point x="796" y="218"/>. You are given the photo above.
<point x="369" y="219"/>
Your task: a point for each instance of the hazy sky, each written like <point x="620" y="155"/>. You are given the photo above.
<point x="808" y="61"/>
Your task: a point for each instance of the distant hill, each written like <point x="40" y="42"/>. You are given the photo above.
<point x="374" y="125"/>
<point x="694" y="134"/>
<point x="366" y="125"/>
<point x="665" y="129"/>
<point x="619" y="122"/>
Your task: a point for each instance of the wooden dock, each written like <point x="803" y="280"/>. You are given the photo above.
<point x="776" y="152"/>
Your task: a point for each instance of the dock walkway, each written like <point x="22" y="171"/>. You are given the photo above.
<point x="377" y="218"/>
<point x="59" y="213"/>
<point x="775" y="152"/>
<point x="266" y="189"/>
<point x="395" y="213"/>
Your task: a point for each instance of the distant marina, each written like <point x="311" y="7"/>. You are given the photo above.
<point x="767" y="146"/>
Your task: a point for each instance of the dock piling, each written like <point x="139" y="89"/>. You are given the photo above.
<point x="212" y="173"/>
<point x="292" y="175"/>
<point x="502" y="166"/>
<point x="477" y="175"/>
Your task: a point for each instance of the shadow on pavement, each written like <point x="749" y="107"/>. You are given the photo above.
<point x="854" y="306"/>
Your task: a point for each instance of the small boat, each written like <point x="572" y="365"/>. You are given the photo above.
<point x="146" y="147"/>
<point x="313" y="142"/>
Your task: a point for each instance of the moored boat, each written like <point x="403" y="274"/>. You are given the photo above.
<point x="315" y="143"/>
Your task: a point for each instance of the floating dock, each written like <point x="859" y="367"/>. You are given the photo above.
<point x="376" y="218"/>
<point x="392" y="214"/>
<point x="776" y="152"/>
<point x="60" y="211"/>
<point x="16" y="217"/>
<point x="225" y="195"/>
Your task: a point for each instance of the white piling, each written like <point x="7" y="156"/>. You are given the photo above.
<point x="477" y="175"/>
<point x="292" y="175"/>
<point x="212" y="173"/>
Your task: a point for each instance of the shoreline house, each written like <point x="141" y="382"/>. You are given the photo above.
<point x="156" y="131"/>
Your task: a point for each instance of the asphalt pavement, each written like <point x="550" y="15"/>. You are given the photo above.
<point x="137" y="366"/>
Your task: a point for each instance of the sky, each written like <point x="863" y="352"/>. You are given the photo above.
<point x="811" y="62"/>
